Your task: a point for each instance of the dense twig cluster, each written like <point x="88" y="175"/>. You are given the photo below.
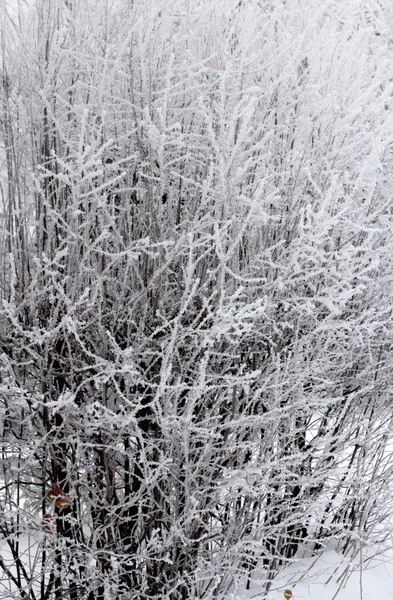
<point x="196" y="280"/>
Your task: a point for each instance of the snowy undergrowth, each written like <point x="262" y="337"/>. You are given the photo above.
<point x="366" y="574"/>
<point x="195" y="292"/>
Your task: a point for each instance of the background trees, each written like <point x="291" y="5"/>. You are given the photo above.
<point x="196" y="285"/>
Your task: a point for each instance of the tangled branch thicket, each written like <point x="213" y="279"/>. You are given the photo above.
<point x="196" y="282"/>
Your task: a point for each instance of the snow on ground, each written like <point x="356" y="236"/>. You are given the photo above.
<point x="332" y="576"/>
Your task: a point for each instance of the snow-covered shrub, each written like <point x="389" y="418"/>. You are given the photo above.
<point x="196" y="261"/>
